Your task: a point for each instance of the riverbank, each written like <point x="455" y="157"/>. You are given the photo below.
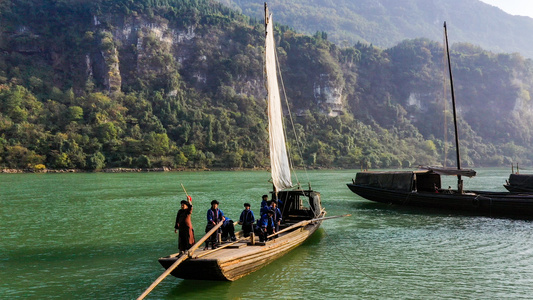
<point x="111" y="170"/>
<point x="123" y="170"/>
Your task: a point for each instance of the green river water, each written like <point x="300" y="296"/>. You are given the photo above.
<point x="98" y="236"/>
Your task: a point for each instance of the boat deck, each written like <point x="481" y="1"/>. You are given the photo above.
<point x="232" y="260"/>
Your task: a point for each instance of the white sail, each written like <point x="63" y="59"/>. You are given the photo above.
<point x="279" y="161"/>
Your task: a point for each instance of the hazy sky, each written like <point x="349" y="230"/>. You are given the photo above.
<point x="514" y="7"/>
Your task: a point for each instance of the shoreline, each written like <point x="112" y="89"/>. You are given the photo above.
<point x="140" y="170"/>
<point x="123" y="170"/>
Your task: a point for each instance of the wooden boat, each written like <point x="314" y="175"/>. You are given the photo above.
<point x="520" y="183"/>
<point x="422" y="187"/>
<point x="233" y="260"/>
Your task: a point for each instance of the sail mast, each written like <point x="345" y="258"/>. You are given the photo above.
<point x="279" y="160"/>
<point x="459" y="180"/>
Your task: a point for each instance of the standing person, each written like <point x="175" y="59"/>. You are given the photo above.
<point x="247" y="220"/>
<point x="266" y="208"/>
<point x="184" y="225"/>
<point x="214" y="216"/>
<point x="277" y="214"/>
<point x="264" y="202"/>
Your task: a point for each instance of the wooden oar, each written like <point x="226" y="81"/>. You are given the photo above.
<point x="180" y="260"/>
<point x="304" y="223"/>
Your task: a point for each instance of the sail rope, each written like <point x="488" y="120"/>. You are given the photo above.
<point x="298" y="141"/>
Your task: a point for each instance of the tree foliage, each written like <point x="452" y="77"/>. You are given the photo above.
<point x="83" y="88"/>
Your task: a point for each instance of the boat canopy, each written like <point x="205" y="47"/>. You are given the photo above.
<point x="449" y="171"/>
<point x="402" y="181"/>
<point x="521" y="180"/>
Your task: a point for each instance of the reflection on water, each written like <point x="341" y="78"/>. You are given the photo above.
<point x="99" y="236"/>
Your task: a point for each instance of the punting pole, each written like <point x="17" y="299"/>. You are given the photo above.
<point x="304" y="223"/>
<point x="459" y="180"/>
<point x="180" y="260"/>
<point x="188" y="197"/>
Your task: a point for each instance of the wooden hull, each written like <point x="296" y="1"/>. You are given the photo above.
<point x="230" y="264"/>
<point x="484" y="203"/>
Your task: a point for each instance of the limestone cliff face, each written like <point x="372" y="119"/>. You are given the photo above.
<point x="152" y="49"/>
<point x="328" y="95"/>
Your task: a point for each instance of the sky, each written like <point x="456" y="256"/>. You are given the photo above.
<point x="514" y="7"/>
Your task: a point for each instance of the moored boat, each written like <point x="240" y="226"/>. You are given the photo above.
<point x="520" y="183"/>
<point x="422" y="187"/>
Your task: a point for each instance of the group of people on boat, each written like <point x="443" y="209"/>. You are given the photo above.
<point x="267" y="225"/>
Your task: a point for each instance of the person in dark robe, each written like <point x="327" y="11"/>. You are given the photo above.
<point x="184" y="225"/>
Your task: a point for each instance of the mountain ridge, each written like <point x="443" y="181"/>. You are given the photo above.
<point x="385" y="23"/>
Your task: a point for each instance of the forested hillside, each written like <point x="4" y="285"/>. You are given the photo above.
<point x="385" y="23"/>
<point x="174" y="83"/>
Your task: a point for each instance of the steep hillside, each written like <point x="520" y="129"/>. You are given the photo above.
<point x="385" y="23"/>
<point x="173" y="83"/>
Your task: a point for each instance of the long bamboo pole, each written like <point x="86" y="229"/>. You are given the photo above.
<point x="304" y="223"/>
<point x="221" y="247"/>
<point x="180" y="260"/>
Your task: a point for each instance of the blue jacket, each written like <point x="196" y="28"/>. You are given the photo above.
<point x="247" y="217"/>
<point x="264" y="203"/>
<point x="212" y="218"/>
<point x="277" y="212"/>
<point x="265" y="221"/>
<point x="264" y="210"/>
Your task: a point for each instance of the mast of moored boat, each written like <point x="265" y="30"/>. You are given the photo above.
<point x="459" y="180"/>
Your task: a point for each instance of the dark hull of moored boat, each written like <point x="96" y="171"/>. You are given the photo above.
<point x="518" y="189"/>
<point x="483" y="203"/>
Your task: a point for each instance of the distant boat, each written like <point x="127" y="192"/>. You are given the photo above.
<point x="423" y="188"/>
<point x="233" y="260"/>
<point x="520" y="183"/>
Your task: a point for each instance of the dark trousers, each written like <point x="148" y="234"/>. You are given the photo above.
<point x="228" y="230"/>
<point x="263" y="233"/>
<point x="213" y="239"/>
<point x="247" y="229"/>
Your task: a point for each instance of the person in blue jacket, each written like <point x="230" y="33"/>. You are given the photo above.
<point x="247" y="220"/>
<point x="228" y="230"/>
<point x="264" y="201"/>
<point x="277" y="214"/>
<point x="214" y="216"/>
<point x="265" y="226"/>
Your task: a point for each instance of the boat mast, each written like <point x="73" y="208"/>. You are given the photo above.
<point x="459" y="180"/>
<point x="266" y="18"/>
<point x="279" y="160"/>
<point x="274" y="190"/>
